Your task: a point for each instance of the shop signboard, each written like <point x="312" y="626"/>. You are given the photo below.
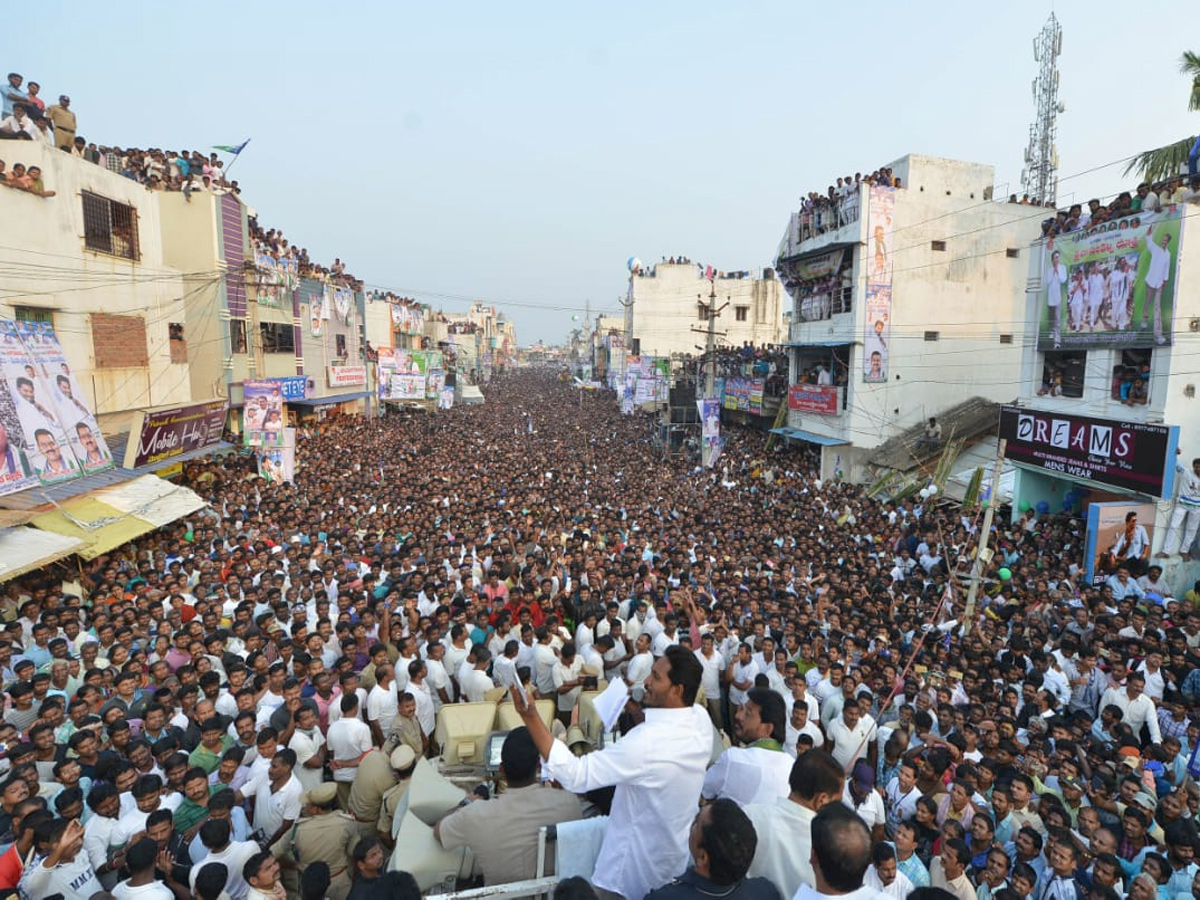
<point x="1131" y="456"/>
<point x="164" y="434"/>
<point x="814" y="398"/>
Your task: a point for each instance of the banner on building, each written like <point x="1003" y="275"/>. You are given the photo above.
<point x="434" y="382"/>
<point x="1113" y="285"/>
<point x="161" y="435"/>
<point x="50" y="435"/>
<point x="262" y="413"/>
<point x="877" y="324"/>
<point x="814" y="398"/>
<point x="343" y="304"/>
<point x="1133" y="456"/>
<point x="346" y="376"/>
<point x="1116" y="531"/>
<point x="275" y="279"/>
<point x="820" y="266"/>
<point x="408" y="386"/>
<point x="278" y="464"/>
<point x="87" y="443"/>
<point x="319" y="306"/>
<point x="745" y="394"/>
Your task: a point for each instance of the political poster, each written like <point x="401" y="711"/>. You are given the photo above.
<point x="262" y="414"/>
<point x="1116" y="531"/>
<point x="43" y="438"/>
<point x="408" y="386"/>
<point x="434" y="382"/>
<point x="278" y="464"/>
<point x="877" y="324"/>
<point x="59" y="383"/>
<point x="1111" y="285"/>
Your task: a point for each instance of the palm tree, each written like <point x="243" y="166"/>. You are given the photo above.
<point x="1164" y="162"/>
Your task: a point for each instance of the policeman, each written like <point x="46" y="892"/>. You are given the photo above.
<point x="326" y="835"/>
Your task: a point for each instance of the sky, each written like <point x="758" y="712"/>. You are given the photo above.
<point x="518" y="154"/>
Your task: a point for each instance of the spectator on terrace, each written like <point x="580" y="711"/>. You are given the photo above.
<point x="37" y="106"/>
<point x="18" y="125"/>
<point x="13" y="94"/>
<point x="63" y="120"/>
<point x="43" y="132"/>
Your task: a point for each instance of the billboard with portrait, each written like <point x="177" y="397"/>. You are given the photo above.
<point x="43" y="437"/>
<point x="262" y="414"/>
<point x="1112" y="285"/>
<point x="877" y="324"/>
<point x="83" y="433"/>
<point x="1115" y="532"/>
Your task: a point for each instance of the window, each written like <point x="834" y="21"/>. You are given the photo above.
<point x="277" y="338"/>
<point x="1131" y="377"/>
<point x="937" y="245"/>
<point x="237" y="335"/>
<point x="741" y="312"/>
<point x="702" y="312"/>
<point x="1063" y="373"/>
<point x="178" y="346"/>
<point x="109" y="226"/>
<point x="1013" y="253"/>
<point x="340" y="341"/>
<point x="1006" y="339"/>
<point x="33" y="314"/>
<point x="932" y="335"/>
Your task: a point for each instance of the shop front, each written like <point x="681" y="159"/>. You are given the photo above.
<point x="1116" y="477"/>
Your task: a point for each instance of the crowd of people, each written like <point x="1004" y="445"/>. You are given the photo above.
<point x="1148" y="197"/>
<point x="236" y="702"/>
<point x="839" y="204"/>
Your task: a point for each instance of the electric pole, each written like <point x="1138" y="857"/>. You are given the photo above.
<point x="983" y="554"/>
<point x="710" y="358"/>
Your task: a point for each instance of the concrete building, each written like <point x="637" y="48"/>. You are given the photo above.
<point x="1105" y="400"/>
<point x="91" y="260"/>
<point x="666" y="306"/>
<point x="905" y="302"/>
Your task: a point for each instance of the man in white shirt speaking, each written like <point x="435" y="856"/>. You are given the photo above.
<point x="658" y="770"/>
<point x="757" y="772"/>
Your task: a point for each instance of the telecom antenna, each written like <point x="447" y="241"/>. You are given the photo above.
<point x="1039" y="177"/>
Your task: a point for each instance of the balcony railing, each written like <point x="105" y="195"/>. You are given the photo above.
<point x="810" y="223"/>
<point x="821" y="305"/>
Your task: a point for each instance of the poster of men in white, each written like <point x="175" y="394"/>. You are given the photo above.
<point x="83" y="433"/>
<point x="43" y="438"/>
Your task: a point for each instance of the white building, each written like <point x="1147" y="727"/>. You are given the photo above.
<point x="911" y="301"/>
<point x="667" y="301"/>
<point x="1099" y="417"/>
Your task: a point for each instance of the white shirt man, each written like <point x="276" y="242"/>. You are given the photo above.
<point x="639" y="668"/>
<point x="1138" y="710"/>
<point x="713" y="666"/>
<point x="851" y="736"/>
<point x="381" y="706"/>
<point x="658" y="769"/>
<point x="475" y="685"/>
<point x="349" y="738"/>
<point x="306" y="745"/>
<point x="564" y="673"/>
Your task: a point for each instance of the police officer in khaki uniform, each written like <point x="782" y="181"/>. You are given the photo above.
<point x="326" y="835"/>
<point x="404" y="760"/>
<point x="377" y="774"/>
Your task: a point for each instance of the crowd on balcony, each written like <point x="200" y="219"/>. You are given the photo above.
<point x="1148" y="197"/>
<point x="274" y="245"/>
<point x="839" y="205"/>
<point x="702" y="271"/>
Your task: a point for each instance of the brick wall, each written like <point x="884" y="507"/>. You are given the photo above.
<point x="119" y="341"/>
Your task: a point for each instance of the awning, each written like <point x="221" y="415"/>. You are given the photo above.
<point x="819" y="344"/>
<point x="25" y="549"/>
<point x="797" y="434"/>
<point x="105" y="519"/>
<point x="333" y="398"/>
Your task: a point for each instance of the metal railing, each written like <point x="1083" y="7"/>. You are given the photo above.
<point x="821" y="305"/>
